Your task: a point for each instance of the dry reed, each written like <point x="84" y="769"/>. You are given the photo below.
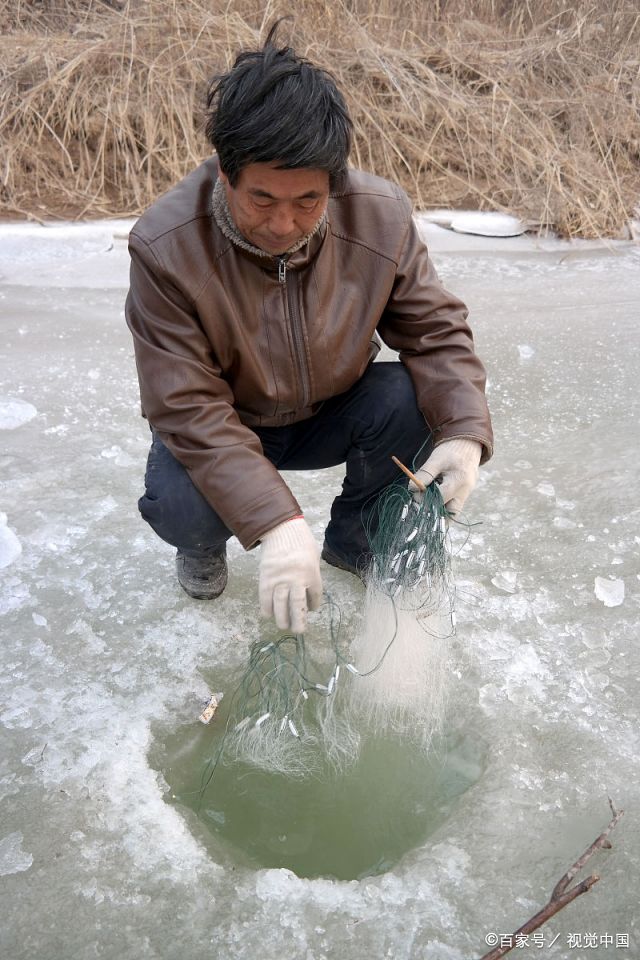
<point x="529" y="108"/>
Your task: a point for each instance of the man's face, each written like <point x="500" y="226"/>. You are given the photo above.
<point x="273" y="208"/>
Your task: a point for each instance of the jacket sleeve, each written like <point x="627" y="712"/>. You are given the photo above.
<point x="427" y="326"/>
<point x="188" y="402"/>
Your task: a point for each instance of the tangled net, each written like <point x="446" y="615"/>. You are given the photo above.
<point x="278" y="716"/>
<point x="285" y="715"/>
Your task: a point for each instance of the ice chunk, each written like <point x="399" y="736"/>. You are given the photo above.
<point x="13" y="413"/>
<point x="546" y="489"/>
<point x="118" y="455"/>
<point x="12" y="858"/>
<point x="505" y="580"/>
<point x="487" y="224"/>
<point x="489" y="697"/>
<point x="277" y="884"/>
<point x="10" y="546"/>
<point x="563" y="523"/>
<point x="611" y="592"/>
<point x="525" y="351"/>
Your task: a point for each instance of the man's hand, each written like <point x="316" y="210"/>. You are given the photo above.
<point x="454" y="464"/>
<point x="290" y="582"/>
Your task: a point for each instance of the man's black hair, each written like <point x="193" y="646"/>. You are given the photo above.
<point x="275" y="107"/>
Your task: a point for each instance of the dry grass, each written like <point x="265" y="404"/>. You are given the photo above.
<point x="531" y="107"/>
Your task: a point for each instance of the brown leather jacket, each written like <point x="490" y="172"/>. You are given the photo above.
<point x="225" y="340"/>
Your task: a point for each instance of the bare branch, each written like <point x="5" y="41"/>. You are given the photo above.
<point x="601" y="842"/>
<point x="561" y="896"/>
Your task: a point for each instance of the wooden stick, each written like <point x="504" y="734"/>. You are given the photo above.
<point x="561" y="896"/>
<point x="602" y="842"/>
<point x="419" y="484"/>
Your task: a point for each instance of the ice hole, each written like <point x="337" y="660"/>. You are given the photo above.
<point x="346" y="825"/>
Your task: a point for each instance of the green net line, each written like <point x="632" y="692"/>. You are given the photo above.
<point x="408" y="540"/>
<point x="411" y="562"/>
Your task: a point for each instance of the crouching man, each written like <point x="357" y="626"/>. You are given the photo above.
<point x="260" y="285"/>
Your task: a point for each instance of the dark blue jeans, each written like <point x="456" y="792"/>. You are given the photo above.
<point x="363" y="427"/>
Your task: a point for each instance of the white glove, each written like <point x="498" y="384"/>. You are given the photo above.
<point x="290" y="582"/>
<point x="454" y="463"/>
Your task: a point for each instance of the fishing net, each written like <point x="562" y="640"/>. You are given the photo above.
<point x="402" y="648"/>
<point x="277" y="717"/>
<point x="293" y="714"/>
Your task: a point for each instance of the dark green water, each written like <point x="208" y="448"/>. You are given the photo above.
<point x="346" y="825"/>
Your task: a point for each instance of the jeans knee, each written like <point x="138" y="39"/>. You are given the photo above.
<point x="175" y="509"/>
<point x="395" y="399"/>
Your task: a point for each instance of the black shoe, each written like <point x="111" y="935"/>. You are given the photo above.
<point x="203" y="578"/>
<point x="359" y="570"/>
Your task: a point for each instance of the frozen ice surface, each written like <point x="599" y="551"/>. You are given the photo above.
<point x="102" y="655"/>
<point x="65" y="255"/>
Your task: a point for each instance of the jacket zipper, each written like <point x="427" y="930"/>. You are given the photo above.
<point x="297" y="333"/>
